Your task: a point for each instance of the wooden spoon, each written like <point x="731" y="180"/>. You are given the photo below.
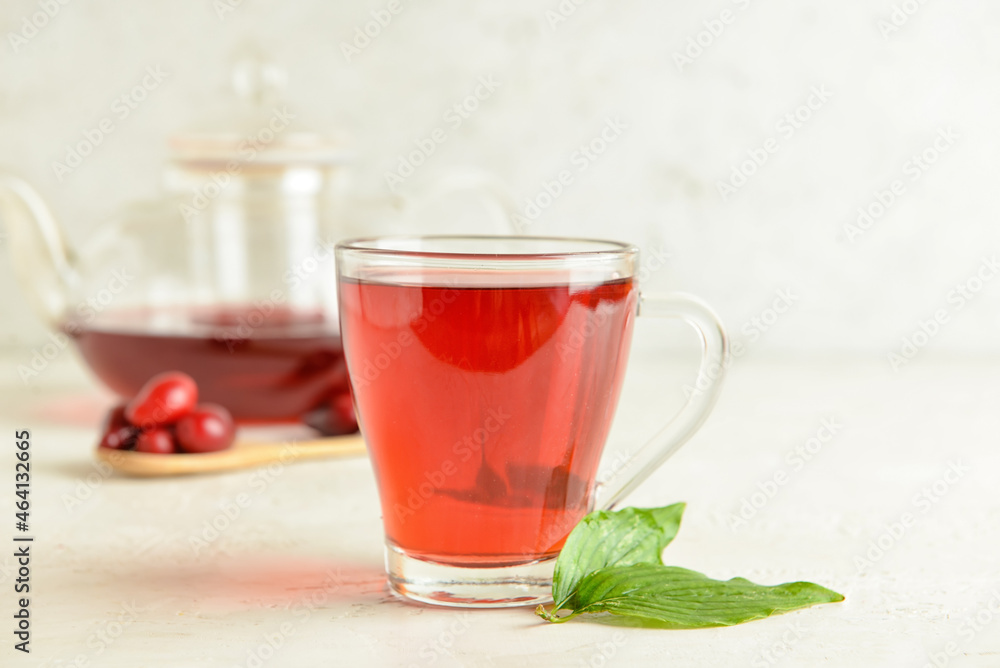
<point x="242" y="455"/>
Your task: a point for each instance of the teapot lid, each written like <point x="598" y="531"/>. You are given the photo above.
<point x="263" y="146"/>
<point x="257" y="128"/>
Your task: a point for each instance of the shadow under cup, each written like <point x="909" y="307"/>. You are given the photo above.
<point x="485" y="373"/>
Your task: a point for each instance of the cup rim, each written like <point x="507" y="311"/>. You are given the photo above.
<point x="382" y="245"/>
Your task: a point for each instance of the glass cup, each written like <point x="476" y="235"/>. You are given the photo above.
<point x="485" y="373"/>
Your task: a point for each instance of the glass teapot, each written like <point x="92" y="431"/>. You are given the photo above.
<point x="229" y="276"/>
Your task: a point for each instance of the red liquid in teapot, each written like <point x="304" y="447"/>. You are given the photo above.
<point x="266" y="366"/>
<point x="485" y="409"/>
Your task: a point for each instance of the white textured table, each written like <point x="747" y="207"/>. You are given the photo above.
<point x="296" y="577"/>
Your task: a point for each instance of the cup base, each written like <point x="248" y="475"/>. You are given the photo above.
<point x="463" y="587"/>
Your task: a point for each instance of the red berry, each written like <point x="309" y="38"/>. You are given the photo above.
<point x="342" y="413"/>
<point x="115" y="418"/>
<point x="155" y="441"/>
<point x="207" y="428"/>
<point x="164" y="399"/>
<point x="117" y="433"/>
<point x="335" y="418"/>
<point x="119" y="439"/>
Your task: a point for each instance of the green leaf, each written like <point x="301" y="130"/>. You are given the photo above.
<point x="676" y="598"/>
<point x="611" y="565"/>
<point x="613" y="538"/>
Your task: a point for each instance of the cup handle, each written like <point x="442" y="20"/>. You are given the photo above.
<point x="701" y="399"/>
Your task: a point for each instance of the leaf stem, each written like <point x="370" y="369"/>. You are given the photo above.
<point x="553" y="616"/>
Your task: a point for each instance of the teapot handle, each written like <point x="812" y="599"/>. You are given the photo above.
<point x="492" y="192"/>
<point x="43" y="263"/>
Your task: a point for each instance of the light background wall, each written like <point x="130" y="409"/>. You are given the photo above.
<point x="890" y="94"/>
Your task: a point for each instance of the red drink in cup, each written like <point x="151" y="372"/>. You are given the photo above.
<point x="487" y="409"/>
<point x="485" y="373"/>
